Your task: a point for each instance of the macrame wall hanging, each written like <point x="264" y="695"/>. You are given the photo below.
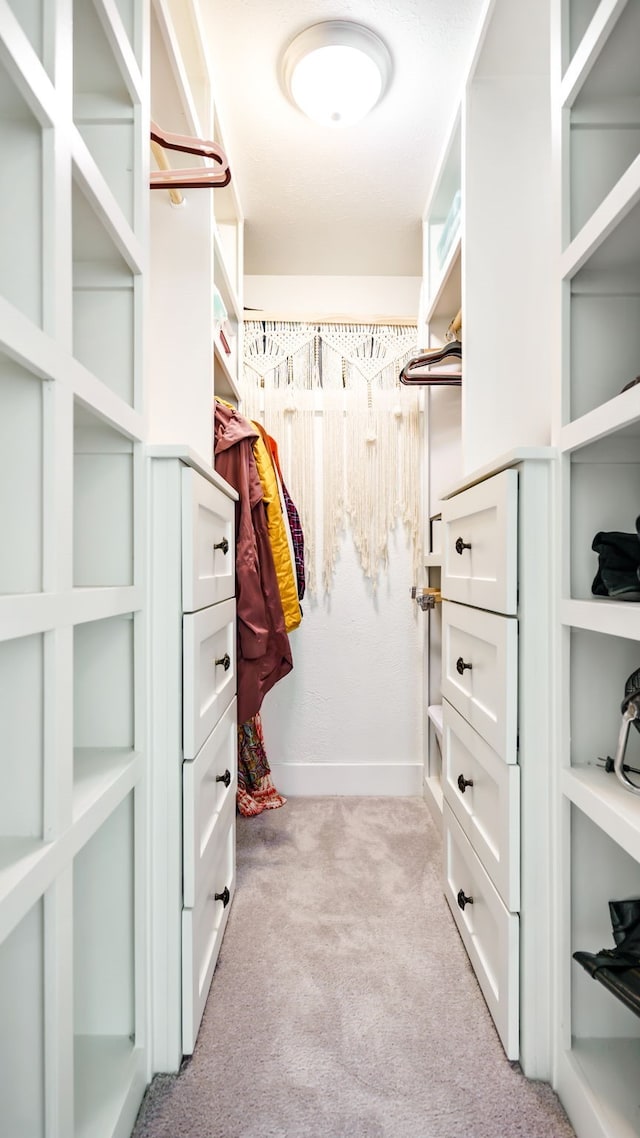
<point x="366" y="470"/>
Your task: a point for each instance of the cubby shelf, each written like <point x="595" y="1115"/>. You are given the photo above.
<point x="597" y="116"/>
<point x="72" y="585"/>
<point x="601" y="798"/>
<point x="226" y="383"/>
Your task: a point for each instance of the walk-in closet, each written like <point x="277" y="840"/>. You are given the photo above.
<point x="320" y="571"/>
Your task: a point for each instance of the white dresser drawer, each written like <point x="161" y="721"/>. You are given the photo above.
<point x="208" y="543"/>
<point x="490" y="933"/>
<point x="208" y="794"/>
<point x="480" y="534"/>
<point x="209" y="671"/>
<point x="484" y="794"/>
<point x="202" y="931"/>
<point x="480" y="673"/>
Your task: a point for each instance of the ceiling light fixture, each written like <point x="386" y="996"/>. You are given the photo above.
<point x="336" y="72"/>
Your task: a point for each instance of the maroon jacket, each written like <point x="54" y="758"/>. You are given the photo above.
<point x="264" y="653"/>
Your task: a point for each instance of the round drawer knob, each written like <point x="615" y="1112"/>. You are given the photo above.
<point x="461" y="666"/>
<point x="223" y="545"/>
<point x="225" y="897"/>
<point x="462" y="545"/>
<point x="463" y="783"/>
<point x="464" y="900"/>
<point x="225" y="661"/>
<point x="226" y="777"/>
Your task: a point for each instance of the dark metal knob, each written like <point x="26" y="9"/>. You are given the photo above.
<point x="463" y="783"/>
<point x="225" y="897"/>
<point x="460" y="666"/>
<point x="226" y="778"/>
<point x="223" y="545"/>
<point x="462" y="545"/>
<point x="462" y="900"/>
<point x="225" y="661"/>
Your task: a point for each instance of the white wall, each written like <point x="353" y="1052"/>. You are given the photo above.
<point x="347" y="720"/>
<point x="317" y="296"/>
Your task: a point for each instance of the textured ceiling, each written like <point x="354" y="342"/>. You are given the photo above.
<point x="319" y="200"/>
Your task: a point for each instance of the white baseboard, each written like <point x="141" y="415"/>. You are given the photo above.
<point x="388" y="780"/>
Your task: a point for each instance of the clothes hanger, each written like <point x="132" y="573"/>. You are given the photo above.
<point x="193" y="176"/>
<point x="450" y="351"/>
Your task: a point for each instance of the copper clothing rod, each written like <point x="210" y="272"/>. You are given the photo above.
<point x="327" y="318"/>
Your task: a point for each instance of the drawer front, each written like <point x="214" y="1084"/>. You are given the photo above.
<point x="484" y="794"/>
<point x="208" y="795"/>
<point x="480" y="673"/>
<point x="202" y="932"/>
<point x="480" y="545"/>
<point x="490" y="933"/>
<point x="209" y="671"/>
<point x="208" y="537"/>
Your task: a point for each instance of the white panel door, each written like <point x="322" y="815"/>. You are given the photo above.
<point x="484" y="794"/>
<point x="480" y="673"/>
<point x="490" y="933"/>
<point x="208" y="795"/>
<point x="208" y="543"/>
<point x="480" y="545"/>
<point x="209" y="671"/>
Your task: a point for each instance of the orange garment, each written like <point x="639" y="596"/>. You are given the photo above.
<point x="277" y="530"/>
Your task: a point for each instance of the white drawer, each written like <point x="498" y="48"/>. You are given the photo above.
<point x="202" y="932"/>
<point x="208" y="543"/>
<point x="209" y="671"/>
<point x="208" y="795"/>
<point x="490" y="933"/>
<point x="480" y="673"/>
<point x="480" y="544"/>
<point x="484" y="794"/>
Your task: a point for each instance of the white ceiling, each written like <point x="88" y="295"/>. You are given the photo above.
<point x="344" y="201"/>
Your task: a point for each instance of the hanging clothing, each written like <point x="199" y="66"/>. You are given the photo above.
<point x="277" y="532"/>
<point x="256" y="791"/>
<point x="295" y="525"/>
<point x="264" y="652"/>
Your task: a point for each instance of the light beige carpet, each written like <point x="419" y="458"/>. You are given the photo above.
<point x="343" y="1004"/>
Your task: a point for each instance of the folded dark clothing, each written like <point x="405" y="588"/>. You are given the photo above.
<point x="618" y="564"/>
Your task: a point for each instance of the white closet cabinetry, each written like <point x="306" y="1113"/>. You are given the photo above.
<point x="196" y="247"/>
<point x="193" y="740"/>
<point x="596" y="85"/>
<point x="441" y="298"/>
<point x="73" y="1050"/>
<point x="496" y="741"/>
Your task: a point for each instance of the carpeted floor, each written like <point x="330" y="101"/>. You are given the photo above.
<point x="343" y="1004"/>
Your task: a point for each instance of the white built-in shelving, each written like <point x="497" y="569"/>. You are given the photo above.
<point x="73" y="103"/>
<point x="596" y="92"/>
<point x="196" y="246"/>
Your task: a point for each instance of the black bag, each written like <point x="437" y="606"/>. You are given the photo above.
<point x="618" y="565"/>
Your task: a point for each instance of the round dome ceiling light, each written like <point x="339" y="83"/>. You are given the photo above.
<point x="336" y="72"/>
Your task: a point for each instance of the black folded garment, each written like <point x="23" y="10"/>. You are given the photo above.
<point x="618" y="565"/>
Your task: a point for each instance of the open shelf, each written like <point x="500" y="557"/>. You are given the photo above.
<point x="22" y="737"/>
<point x="605" y="120"/>
<point x="31" y="17"/>
<point x="104" y="685"/>
<point x="21" y="485"/>
<point x="24" y="171"/>
<point x="104" y="324"/>
<point x="602" y="871"/>
<point x="607" y="1070"/>
<point x="104" y="990"/>
<point x="103" y="488"/>
<point x="604" y="496"/>
<point x="103" y="110"/>
<point x="442" y="219"/>
<point x="225" y="382"/>
<point x="22" y="1027"/>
